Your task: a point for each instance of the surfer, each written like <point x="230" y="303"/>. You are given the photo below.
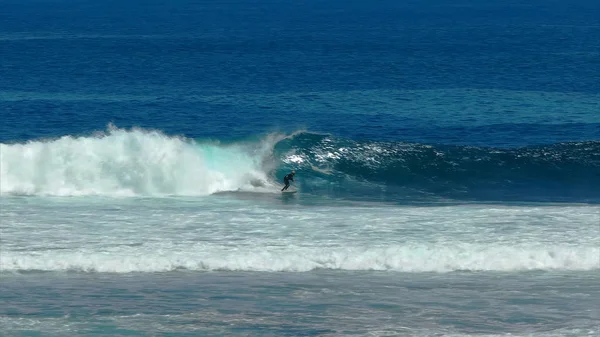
<point x="286" y="180"/>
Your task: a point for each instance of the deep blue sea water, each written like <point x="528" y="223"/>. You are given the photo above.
<point x="447" y="157"/>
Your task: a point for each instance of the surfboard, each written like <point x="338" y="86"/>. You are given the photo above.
<point x="289" y="191"/>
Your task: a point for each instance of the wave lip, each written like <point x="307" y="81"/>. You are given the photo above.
<point x="413" y="258"/>
<point x="128" y="163"/>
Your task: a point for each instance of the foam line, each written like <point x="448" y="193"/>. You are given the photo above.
<point x="413" y="258"/>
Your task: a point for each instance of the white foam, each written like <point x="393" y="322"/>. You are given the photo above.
<point x="128" y="162"/>
<point x="409" y="258"/>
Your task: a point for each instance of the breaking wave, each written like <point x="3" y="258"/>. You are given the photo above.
<point x="122" y="162"/>
<point x="131" y="162"/>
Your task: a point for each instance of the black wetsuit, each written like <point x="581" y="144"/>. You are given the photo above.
<point x="286" y="181"/>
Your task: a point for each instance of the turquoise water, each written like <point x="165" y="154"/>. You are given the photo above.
<point x="447" y="158"/>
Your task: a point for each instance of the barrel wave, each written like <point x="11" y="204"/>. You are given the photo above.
<point x="121" y="162"/>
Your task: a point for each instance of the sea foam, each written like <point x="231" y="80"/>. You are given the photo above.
<point x="122" y="162"/>
<point x="409" y="258"/>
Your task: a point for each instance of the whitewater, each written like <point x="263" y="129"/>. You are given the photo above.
<point x="167" y="235"/>
<point x="137" y="230"/>
<point x="447" y="157"/>
<point x="121" y="162"/>
<point x="158" y="263"/>
<point x="217" y="207"/>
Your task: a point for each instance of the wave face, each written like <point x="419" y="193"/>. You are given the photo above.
<point x="559" y="172"/>
<point x="141" y="162"/>
<point x="124" y="163"/>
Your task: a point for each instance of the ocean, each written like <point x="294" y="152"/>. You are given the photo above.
<point x="447" y="157"/>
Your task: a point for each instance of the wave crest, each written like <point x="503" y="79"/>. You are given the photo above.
<point x="129" y="162"/>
